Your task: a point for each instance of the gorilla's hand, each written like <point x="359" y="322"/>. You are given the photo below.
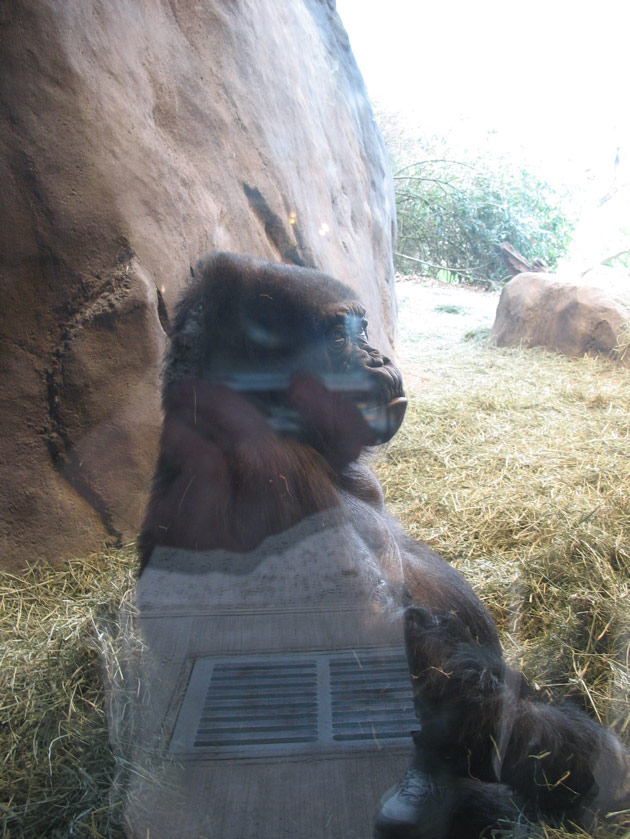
<point x="335" y="419"/>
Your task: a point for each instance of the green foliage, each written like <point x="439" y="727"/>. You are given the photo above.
<point x="455" y="209"/>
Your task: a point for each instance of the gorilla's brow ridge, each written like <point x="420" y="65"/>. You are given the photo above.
<point x="350" y="308"/>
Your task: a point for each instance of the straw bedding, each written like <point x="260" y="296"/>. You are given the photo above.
<point x="513" y="464"/>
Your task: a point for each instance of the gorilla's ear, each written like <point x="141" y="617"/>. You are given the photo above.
<point x="189" y="344"/>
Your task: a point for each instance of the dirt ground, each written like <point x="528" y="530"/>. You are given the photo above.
<point x="434" y="319"/>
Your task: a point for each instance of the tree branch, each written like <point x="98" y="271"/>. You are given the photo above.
<point x="614" y="256"/>
<point x="465" y="272"/>
<point x="437" y="181"/>
<point x="604" y="261"/>
<point x="428" y="162"/>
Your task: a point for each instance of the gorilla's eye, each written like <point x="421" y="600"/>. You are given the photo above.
<point x="338" y="338"/>
<point x="356" y="326"/>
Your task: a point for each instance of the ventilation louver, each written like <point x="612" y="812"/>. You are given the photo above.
<point x="249" y="706"/>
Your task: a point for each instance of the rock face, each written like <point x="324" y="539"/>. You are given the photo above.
<point x="135" y="137"/>
<point x="536" y="310"/>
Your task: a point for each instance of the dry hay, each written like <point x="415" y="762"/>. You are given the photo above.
<point x="622" y="350"/>
<point x="513" y="464"/>
<point x="518" y="471"/>
<point x="57" y="627"/>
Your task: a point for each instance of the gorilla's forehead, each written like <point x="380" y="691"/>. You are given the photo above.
<point x="339" y="311"/>
<point x="310" y="306"/>
<point x="303" y="288"/>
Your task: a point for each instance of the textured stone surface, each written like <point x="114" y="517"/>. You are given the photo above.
<point x="134" y="138"/>
<point x="538" y="311"/>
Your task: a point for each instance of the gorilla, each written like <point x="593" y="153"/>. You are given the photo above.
<point x="271" y="391"/>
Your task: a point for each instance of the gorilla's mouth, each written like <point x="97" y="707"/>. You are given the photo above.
<point x="384" y="409"/>
<point x="377" y="392"/>
<point x="385" y="420"/>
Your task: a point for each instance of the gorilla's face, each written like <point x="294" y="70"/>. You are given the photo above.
<point x="370" y="379"/>
<point x="279" y="339"/>
<point x="264" y="324"/>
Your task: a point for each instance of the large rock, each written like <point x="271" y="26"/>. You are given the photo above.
<point x="538" y="311"/>
<point x="136" y="137"/>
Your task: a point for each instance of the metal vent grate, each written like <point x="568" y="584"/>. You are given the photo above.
<point x="371" y="696"/>
<point x="259" y="703"/>
<point x="290" y="703"/>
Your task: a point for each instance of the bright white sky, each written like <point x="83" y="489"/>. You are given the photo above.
<point x="549" y="74"/>
<point x="550" y="77"/>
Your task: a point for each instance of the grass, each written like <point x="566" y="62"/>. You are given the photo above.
<point x="513" y="464"/>
<point x="450" y="309"/>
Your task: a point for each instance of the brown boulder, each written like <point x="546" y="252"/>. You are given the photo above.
<point x="134" y="138"/>
<point x="538" y="311"/>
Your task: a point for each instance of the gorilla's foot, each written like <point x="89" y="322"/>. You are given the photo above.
<point x="433" y="801"/>
<point x="417" y="807"/>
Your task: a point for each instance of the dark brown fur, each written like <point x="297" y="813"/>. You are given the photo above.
<point x="226" y="479"/>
